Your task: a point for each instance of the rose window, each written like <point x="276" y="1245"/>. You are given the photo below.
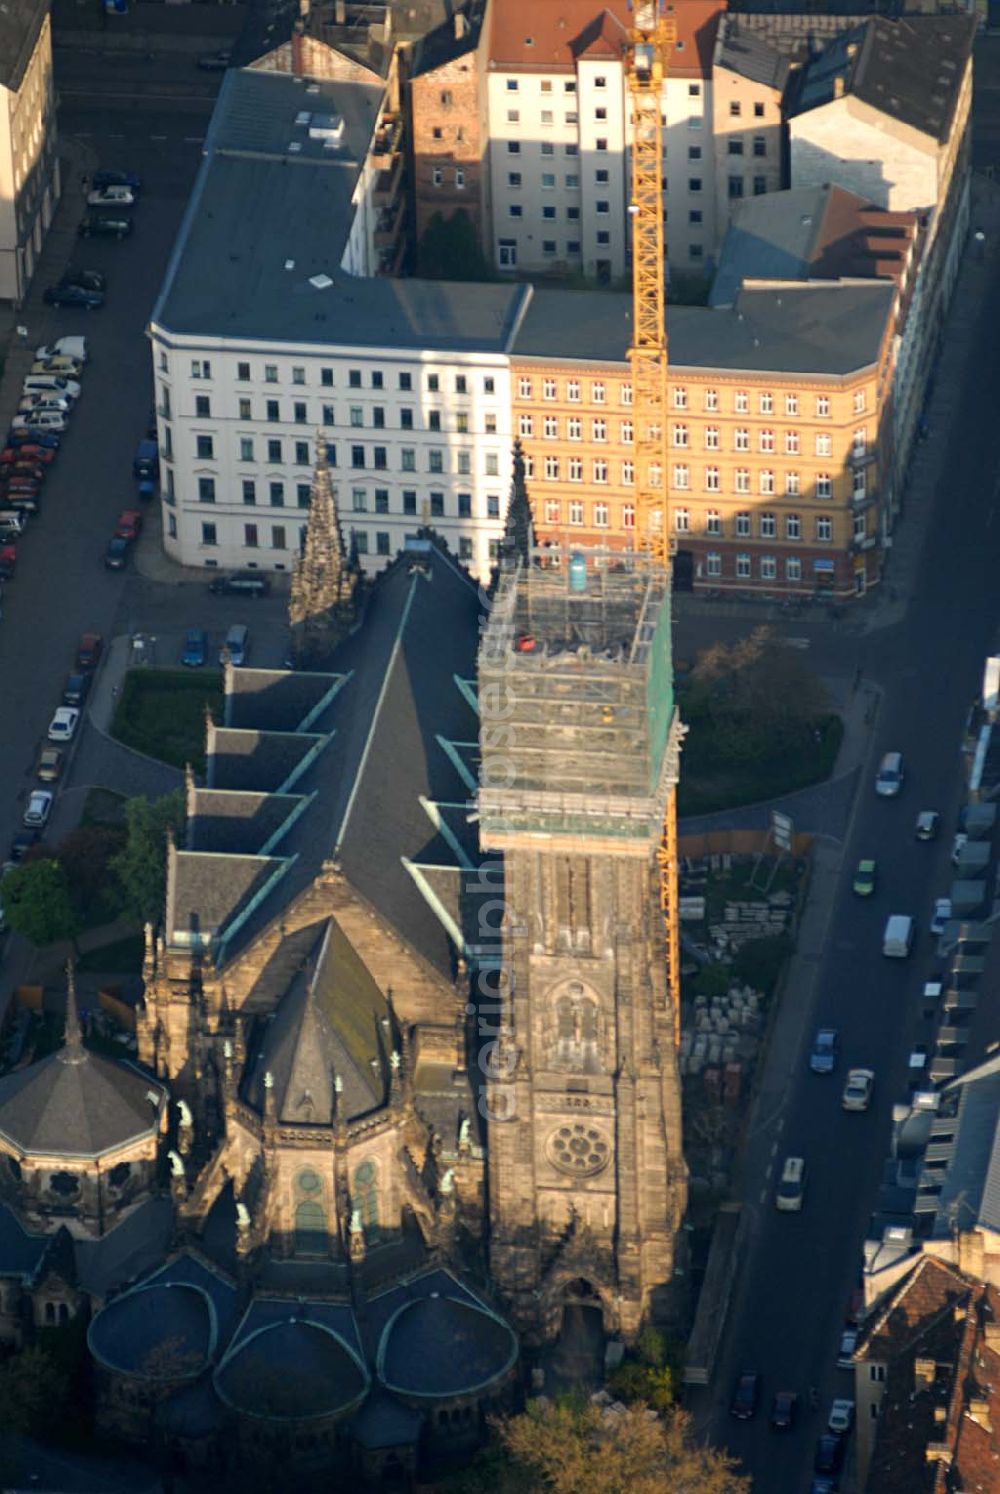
<point x="579" y="1149"/>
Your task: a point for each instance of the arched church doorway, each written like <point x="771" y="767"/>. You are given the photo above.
<point x="578" y="1353"/>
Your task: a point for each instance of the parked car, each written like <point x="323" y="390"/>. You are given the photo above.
<point x="958" y="845"/>
<point x="829" y="1453"/>
<point x="841" y="1417"/>
<point x="240" y="584"/>
<point x="146" y="461"/>
<point x="22" y="844"/>
<point x="73" y="295"/>
<point x="38" y="808"/>
<point x="927" y="824"/>
<point x="29" y="433"/>
<point x="15" y="472"/>
<point x="64" y="347"/>
<point x="783" y="1409"/>
<point x="70" y="368"/>
<point x="26" y="451"/>
<point x="88" y="654"/>
<point x="62" y="727"/>
<point x="858" y="1089"/>
<point x="195" y="648"/>
<point x="940" y="915"/>
<point x="116" y="553"/>
<point x="864" y="878"/>
<point x="92" y="280"/>
<point x="215" y="62"/>
<point x="108" y="225"/>
<point x="744" y="1403"/>
<point x="75" y="689"/>
<point x="823" y="1058"/>
<point x="111" y="196"/>
<point x="8" y="561"/>
<point x="49" y="764"/>
<point x="44" y="400"/>
<point x="102" y="179"/>
<point x="129" y="524"/>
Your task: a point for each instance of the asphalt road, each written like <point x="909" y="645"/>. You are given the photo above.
<point x="800" y="1269"/>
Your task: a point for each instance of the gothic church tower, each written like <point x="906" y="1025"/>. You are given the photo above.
<point x="579" y="745"/>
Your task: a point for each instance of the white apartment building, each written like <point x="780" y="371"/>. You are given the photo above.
<point x="29" y="164"/>
<point x="269" y="329"/>
<point x="559" y="128"/>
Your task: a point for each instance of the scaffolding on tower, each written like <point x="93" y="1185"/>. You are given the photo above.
<point x="650" y="39"/>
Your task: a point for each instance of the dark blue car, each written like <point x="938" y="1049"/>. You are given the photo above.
<point x="195" y="647"/>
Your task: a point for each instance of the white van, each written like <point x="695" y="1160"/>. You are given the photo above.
<point x="889" y="779"/>
<point x="792" y="1186"/>
<point x="11" y="521"/>
<point x="237" y="644"/>
<point x="897" y="941"/>
<point x="64" y="347"/>
<point x="47" y="383"/>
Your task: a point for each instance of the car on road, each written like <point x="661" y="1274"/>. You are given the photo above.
<point x="841" y="1417"/>
<point x="240" y="584"/>
<point x="195" y="648"/>
<point x="88" y="654"/>
<point x="845" y="1351"/>
<point x="823" y="1058"/>
<point x="75" y="689"/>
<point x="889" y="779"/>
<point x="941" y="915"/>
<point x="116" y="553"/>
<point x="92" y="280"/>
<point x="791" y="1188"/>
<point x="101" y="179"/>
<point x="73" y="295"/>
<point x="62" y="727"/>
<point x="215" y="62"/>
<point x="829" y="1454"/>
<point x="38" y="808"/>
<point x="107" y="225"/>
<point x="22" y="844"/>
<point x="858" y="1089"/>
<point x="49" y="765"/>
<point x="783" y="1409"/>
<point x="928" y="822"/>
<point x="864" y="878"/>
<point x="26" y="452"/>
<point x="74" y="347"/>
<point x="744" y="1402"/>
<point x="111" y="196"/>
<point x="129" y="524"/>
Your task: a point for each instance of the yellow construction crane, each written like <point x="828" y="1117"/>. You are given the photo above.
<point x="650" y="39"/>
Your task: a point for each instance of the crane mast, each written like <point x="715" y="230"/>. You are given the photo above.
<point x="650" y="39"/>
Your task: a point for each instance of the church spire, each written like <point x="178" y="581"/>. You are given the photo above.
<point x="322" y="601"/>
<point x="73" y="1050"/>
<point x="519" y="530"/>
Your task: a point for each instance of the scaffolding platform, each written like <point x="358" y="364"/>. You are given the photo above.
<point x="576" y="700"/>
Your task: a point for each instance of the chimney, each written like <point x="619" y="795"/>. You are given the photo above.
<point x="304" y="8"/>
<point x="838" y="87"/>
<point x="461" y="25"/>
<point x="340" y="13"/>
<point x="297" y="65"/>
<point x="923" y="1373"/>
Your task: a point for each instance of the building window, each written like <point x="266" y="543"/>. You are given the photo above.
<point x="409" y="501"/>
<point x="792" y="484"/>
<point x="598" y="394"/>
<point x="246" y="449"/>
<point x="405" y="381"/>
<point x="681" y="475"/>
<point x="249" y="491"/>
<point x="743" y="567"/>
<point x="209" y="535"/>
<point x="357" y="416"/>
<point x="791" y="404"/>
<point x="741" y="402"/>
<point x="328" y="415"/>
<point x="381" y="500"/>
<point x="202" y="407"/>
<point x="625" y="395"/>
<point x="250" y="536"/>
<point x="299" y="412"/>
<point x="549" y="389"/>
<point x="860" y="528"/>
<point x="792" y="443"/>
<point x="272" y="410"/>
<point x="548" y="181"/>
<point x="859" y="443"/>
<point x="682" y="520"/>
<point x="824" y="530"/>
<point x="713" y="522"/>
<point x="858" y="484"/>
<point x="278" y="540"/>
<point x="408" y="459"/>
<point x="741" y="439"/>
<point x="492" y="506"/>
<point x="600" y="469"/>
<point x="574" y="428"/>
<point x="824" y="444"/>
<point x="601" y="515"/>
<point x="766" y="441"/>
<point x="515" y="210"/>
<point x="576" y="512"/>
<point x="434" y="420"/>
<point x="793" y="568"/>
<point x="768" y="568"/>
<point x="303" y="495"/>
<point x="302" y="453"/>
<point x="435" y="460"/>
<point x="713" y="564"/>
<point x="628" y="474"/>
<point x="206" y="490"/>
<point x="694" y="183"/>
<point x="741" y="480"/>
<point x="793" y="527"/>
<point x="357" y="456"/>
<point x="575" y="469"/>
<point x="552" y="469"/>
<point x="464" y="463"/>
<point x="711" y="438"/>
<point x="464" y="546"/>
<point x="824" y="485"/>
<point x="244" y="409"/>
<point x="437" y="505"/>
<point x="759" y="145"/>
<point x="201" y="368"/>
<point x="628" y="516"/>
<point x="679" y="436"/>
<point x="276" y="492"/>
<point x="735" y="188"/>
<point x="359" y="500"/>
<point x="712" y="479"/>
<point x="360" y="538"/>
<point x="742" y="525"/>
<point x="768" y="526"/>
<point x="326" y="377"/>
<point x="760" y="186"/>
<point x="551" y="427"/>
<point x="381" y="458"/>
<point x="243" y="371"/>
<point x="492" y="464"/>
<point x="270" y="373"/>
<point x="205" y="448"/>
<point x="735" y="146"/>
<point x="859" y="401"/>
<point x="822" y="405"/>
<point x="599" y="430"/>
<point x="524" y="388"/>
<point x="512" y="85"/>
<point x="465" y="505"/>
<point x="573" y="391"/>
<point x="525" y="425"/>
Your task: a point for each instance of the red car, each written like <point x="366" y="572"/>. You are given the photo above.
<point x="27" y="453"/>
<point x="22" y="469"/>
<point x="129" y="524"/>
<point x="89" y="652"/>
<point x="28" y="485"/>
<point x="8" y="561"/>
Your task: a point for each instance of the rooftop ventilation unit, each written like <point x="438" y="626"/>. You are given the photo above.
<point x="327" y="127"/>
<point x="303" y="117"/>
<point x="320" y="282"/>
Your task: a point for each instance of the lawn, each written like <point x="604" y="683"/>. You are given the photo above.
<point x="162" y="713"/>
<point x="710" y="781"/>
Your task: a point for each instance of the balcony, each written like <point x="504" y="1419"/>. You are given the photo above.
<point x="861" y="457"/>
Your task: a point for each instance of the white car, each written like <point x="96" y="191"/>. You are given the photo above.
<point x="64" y="389"/>
<point x="63" y="347"/>
<point x="59" y="365"/>
<point x="111" y="197"/>
<point x="941" y="915"/>
<point x="40" y="420"/>
<point x="958" y="845"/>
<point x="62" y="727"/>
<point x="841" y="1417"/>
<point x="54" y="403"/>
<point x="38" y="809"/>
<point x="848" y="1343"/>
<point x="858" y="1089"/>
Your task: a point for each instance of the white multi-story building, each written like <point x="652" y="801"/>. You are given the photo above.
<point x="558" y="116"/>
<point x="269" y="329"/>
<point x="29" y="163"/>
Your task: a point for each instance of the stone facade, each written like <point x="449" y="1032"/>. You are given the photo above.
<point x="449" y="134"/>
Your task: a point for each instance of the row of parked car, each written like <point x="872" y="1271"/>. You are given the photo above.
<point x="110" y="201"/>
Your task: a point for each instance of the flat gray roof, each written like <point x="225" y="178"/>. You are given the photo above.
<point x="263" y="220"/>
<point x="809" y="327"/>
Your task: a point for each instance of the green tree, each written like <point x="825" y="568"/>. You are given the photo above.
<point x="33" y="1386"/>
<point x="449" y="250"/>
<point x="575" y="1448"/>
<point x="141" y="867"/>
<point x="38" y="902"/>
<point x="86" y="856"/>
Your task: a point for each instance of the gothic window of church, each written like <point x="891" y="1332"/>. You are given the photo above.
<point x="577" y="1029"/>
<point x="310" y="1229"/>
<point x="365" y="1194"/>
<point x="66" y="1184"/>
<point x="119" y="1174"/>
